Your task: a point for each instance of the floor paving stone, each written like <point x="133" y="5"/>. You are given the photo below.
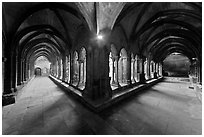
<point x="42" y="108"/>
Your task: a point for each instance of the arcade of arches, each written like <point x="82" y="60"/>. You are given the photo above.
<point x="98" y="48"/>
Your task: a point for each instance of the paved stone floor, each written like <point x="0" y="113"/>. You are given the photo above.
<point x="42" y="108"/>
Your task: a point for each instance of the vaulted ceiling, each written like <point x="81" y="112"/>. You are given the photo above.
<point x="155" y="28"/>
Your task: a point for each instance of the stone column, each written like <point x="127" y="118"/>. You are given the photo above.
<point x="79" y="79"/>
<point x="22" y="71"/>
<point x="142" y="74"/>
<point x="155" y="71"/>
<point x="7" y="76"/>
<point x="64" y="68"/>
<point x="71" y="69"/>
<point x="7" y="98"/>
<point x="199" y="72"/>
<point x="122" y="73"/>
<point x="25" y="70"/>
<point x="116" y="71"/>
<point x="113" y="63"/>
<point x="160" y="69"/>
<point x="55" y="69"/>
<point x="69" y="61"/>
<point x="59" y="69"/>
<point x="18" y="72"/>
<point x="13" y="73"/>
<point x="84" y="64"/>
<point x="98" y="81"/>
<point x="148" y="69"/>
<point x="129" y="70"/>
<point x="136" y="69"/>
<point x="133" y="70"/>
<point x="82" y="78"/>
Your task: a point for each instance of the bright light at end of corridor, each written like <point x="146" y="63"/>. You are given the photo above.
<point x="100" y="37"/>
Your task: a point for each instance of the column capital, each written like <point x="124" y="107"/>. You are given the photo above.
<point x="116" y="58"/>
<point x="113" y="59"/>
<point x="133" y="59"/>
<point x="81" y="61"/>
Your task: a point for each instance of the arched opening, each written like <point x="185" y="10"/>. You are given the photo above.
<point x="152" y="69"/>
<point x="176" y="65"/>
<point x="135" y="68"/>
<point x="122" y="68"/>
<point x="61" y="69"/>
<point x="75" y="69"/>
<point x="145" y="69"/>
<point x="82" y="69"/>
<point x="67" y="76"/>
<point x="43" y="64"/>
<point x="113" y="67"/>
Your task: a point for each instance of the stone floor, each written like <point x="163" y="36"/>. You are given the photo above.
<point x="42" y="108"/>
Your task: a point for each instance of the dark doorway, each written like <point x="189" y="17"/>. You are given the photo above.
<point x="38" y="72"/>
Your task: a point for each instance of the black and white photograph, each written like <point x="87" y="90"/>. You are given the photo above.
<point x="101" y="68"/>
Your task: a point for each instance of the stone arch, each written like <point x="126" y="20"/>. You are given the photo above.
<point x="122" y="71"/>
<point x="75" y="68"/>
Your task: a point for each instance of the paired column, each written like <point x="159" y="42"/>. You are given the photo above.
<point x="116" y="71"/>
<point x="133" y="69"/>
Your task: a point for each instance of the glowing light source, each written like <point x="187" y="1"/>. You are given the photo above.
<point x="100" y="37"/>
<point x="176" y="53"/>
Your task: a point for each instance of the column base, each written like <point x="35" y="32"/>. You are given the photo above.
<point x="13" y="90"/>
<point x="8" y="99"/>
<point x="116" y="84"/>
<point x="155" y="75"/>
<point x="100" y="89"/>
<point x="142" y="78"/>
<point x="133" y="80"/>
<point x="129" y="82"/>
<point x="64" y="81"/>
